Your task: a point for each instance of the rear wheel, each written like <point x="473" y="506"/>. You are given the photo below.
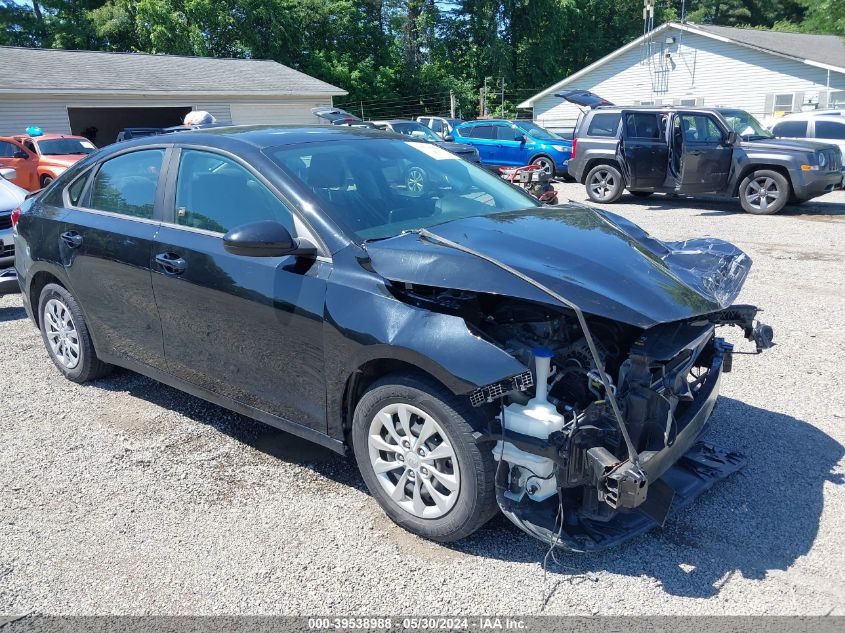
<point x="764" y="192"/>
<point x="604" y="184"/>
<point x="66" y="336"/>
<point x="414" y="444"/>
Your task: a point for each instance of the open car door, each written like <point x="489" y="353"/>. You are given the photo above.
<point x="701" y="153"/>
<point x="644" y="149"/>
<point x="583" y="98"/>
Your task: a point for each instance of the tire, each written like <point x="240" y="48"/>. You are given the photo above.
<point x="467" y="468"/>
<point x="61" y="323"/>
<point x="773" y="183"/>
<point x="604" y="184"/>
<point x="46" y="180"/>
<point x="641" y="194"/>
<point x="547" y="164"/>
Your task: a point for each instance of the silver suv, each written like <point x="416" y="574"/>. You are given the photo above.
<point x="712" y="151"/>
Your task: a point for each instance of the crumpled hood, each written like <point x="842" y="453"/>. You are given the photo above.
<point x="600" y="261"/>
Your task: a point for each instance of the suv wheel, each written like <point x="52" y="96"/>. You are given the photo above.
<point x="764" y="192"/>
<point x="66" y="336"/>
<point x="414" y="445"/>
<point x="604" y="184"/>
<point x="46" y="180"/>
<point x="545" y="163"/>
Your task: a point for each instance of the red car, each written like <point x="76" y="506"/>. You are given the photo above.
<point x="39" y="160"/>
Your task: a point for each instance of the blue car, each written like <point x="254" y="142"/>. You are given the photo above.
<point x="503" y="143"/>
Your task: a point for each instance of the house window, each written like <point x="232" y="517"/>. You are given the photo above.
<point x="783" y="103"/>
<point x="687" y="102"/>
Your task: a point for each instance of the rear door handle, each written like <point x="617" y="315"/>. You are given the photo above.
<point x="171" y="263"/>
<point x="72" y="239"/>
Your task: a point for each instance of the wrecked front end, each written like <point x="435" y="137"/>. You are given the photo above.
<point x="600" y="438"/>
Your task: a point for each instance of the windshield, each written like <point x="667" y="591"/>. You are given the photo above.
<point x="538" y="132"/>
<point x="378" y="188"/>
<point x="745" y="125"/>
<point x="65" y="146"/>
<point x="412" y="128"/>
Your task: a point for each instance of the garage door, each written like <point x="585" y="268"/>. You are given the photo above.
<point x="273" y="114"/>
<point x="102" y="125"/>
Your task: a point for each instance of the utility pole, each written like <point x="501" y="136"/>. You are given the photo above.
<point x="481" y="103"/>
<point x="502" y="113"/>
<point x="361" y="103"/>
<point x="452" y="103"/>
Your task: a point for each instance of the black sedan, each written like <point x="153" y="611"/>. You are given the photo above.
<point x="473" y="349"/>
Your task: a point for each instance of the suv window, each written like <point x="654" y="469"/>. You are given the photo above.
<point x="127" y="184"/>
<point x="790" y="129"/>
<point x="217" y="194"/>
<point x="506" y="133"/>
<point x="830" y="129"/>
<point x="698" y="128"/>
<point x="7" y="150"/>
<point x="643" y="125"/>
<point x="436" y="125"/>
<point x="604" y="124"/>
<point x="483" y="131"/>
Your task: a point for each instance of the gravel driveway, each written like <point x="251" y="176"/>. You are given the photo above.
<point x="126" y="496"/>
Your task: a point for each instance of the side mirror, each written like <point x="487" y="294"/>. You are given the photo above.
<point x="733" y="138"/>
<point x="449" y="138"/>
<point x="519" y="138"/>
<point x="266" y="239"/>
<point x="20" y="154"/>
<point x="8" y="173"/>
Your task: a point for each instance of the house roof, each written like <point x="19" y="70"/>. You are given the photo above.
<point x="29" y="70"/>
<point x="826" y="51"/>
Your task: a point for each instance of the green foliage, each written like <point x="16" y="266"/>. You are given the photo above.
<point x="395" y="57"/>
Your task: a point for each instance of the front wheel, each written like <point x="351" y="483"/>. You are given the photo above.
<point x="764" y="192"/>
<point x="46" y="180"/>
<point x="414" y="445"/>
<point x="546" y="165"/>
<point x="604" y="184"/>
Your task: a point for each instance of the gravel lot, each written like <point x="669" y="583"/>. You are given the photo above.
<point x="126" y="496"/>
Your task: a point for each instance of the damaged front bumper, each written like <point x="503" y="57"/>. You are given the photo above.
<point x="623" y="499"/>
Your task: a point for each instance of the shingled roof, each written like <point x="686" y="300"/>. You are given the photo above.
<point x="62" y="71"/>
<point x="823" y="49"/>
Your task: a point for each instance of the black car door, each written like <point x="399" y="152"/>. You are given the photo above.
<point x="705" y="153"/>
<point x="645" y="150"/>
<point x="246" y="328"/>
<point x="105" y="240"/>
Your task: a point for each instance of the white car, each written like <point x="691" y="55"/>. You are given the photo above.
<point x="827" y="126"/>
<point x="11" y="197"/>
<point x="442" y="126"/>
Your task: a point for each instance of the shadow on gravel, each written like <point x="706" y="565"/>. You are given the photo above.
<point x="761" y="519"/>
<point x="14" y="313"/>
<point x="258" y="435"/>
<point x="817" y="209"/>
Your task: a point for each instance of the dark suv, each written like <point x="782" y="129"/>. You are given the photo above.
<point x="713" y="151"/>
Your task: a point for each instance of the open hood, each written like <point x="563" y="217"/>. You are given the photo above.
<point x="606" y="265"/>
<point x="583" y="98"/>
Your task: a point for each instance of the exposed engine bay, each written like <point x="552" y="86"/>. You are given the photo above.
<point x="564" y="472"/>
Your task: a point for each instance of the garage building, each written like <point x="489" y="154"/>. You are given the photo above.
<point x="99" y="94"/>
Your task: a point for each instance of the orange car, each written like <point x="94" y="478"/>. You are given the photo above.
<point x="40" y="159"/>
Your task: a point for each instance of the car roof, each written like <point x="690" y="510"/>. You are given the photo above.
<point x="806" y="116"/>
<point x="41" y="137"/>
<point x="261" y="136"/>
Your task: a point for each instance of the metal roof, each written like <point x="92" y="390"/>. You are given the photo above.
<point x="29" y="70"/>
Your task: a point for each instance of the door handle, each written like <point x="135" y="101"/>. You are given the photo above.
<point x="171" y="263"/>
<point x="72" y="239"/>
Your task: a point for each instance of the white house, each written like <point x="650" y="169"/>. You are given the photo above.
<point x="73" y="91"/>
<point x="767" y="73"/>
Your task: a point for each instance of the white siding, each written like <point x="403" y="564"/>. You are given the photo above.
<point x="274" y="113"/>
<point x="50" y="111"/>
<point x="712" y="72"/>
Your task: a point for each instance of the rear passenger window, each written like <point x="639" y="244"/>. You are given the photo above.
<point x="830" y="129"/>
<point x="605" y="124"/>
<point x="217" y="194"/>
<point x="790" y="129"/>
<point x="127" y="184"/>
<point x="483" y="131"/>
<point x="644" y="125"/>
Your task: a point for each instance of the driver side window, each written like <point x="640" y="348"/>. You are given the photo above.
<point x="214" y="193"/>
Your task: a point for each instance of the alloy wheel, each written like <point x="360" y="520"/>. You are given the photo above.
<point x="414" y="461"/>
<point x="61" y="333"/>
<point x="545" y="164"/>
<point x="762" y="192"/>
<point x="602" y="184"/>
